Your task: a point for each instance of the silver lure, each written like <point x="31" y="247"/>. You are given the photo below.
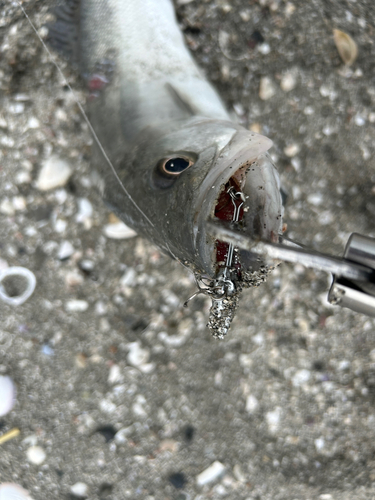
<point x="169" y="157"/>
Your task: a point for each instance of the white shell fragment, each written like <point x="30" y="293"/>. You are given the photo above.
<point x="76" y="306"/>
<point x="291" y="150"/>
<point x="80" y="490"/>
<point x="266" y="88"/>
<point x="346" y="47"/>
<point x="21" y="282"/>
<point x="65" y="251"/>
<point x="273" y="419"/>
<point x="119" y="231"/>
<point x="251" y="403"/>
<point x="36" y="455"/>
<point x="7" y="395"/>
<point x="85" y="212"/>
<point x="301" y="377"/>
<point x="11" y="491"/>
<point x="213" y="472"/>
<point x="55" y="172"/>
<point x="288" y="81"/>
<point x="137" y="356"/>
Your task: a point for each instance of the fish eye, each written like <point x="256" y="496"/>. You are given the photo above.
<point x="168" y="170"/>
<point x="175" y="166"/>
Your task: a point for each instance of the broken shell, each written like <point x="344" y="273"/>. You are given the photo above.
<point x="11" y="491"/>
<point x="7" y="395"/>
<point x="346" y="47"/>
<point x="20" y="287"/>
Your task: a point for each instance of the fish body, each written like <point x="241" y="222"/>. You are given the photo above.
<point x="169" y="157"/>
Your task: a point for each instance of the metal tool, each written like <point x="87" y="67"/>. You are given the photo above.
<point x="353" y="275"/>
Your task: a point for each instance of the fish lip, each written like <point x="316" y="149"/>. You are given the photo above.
<point x="243" y="148"/>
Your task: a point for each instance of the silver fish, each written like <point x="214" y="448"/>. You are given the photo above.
<point x="169" y="158"/>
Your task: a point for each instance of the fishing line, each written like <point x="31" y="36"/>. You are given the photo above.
<point x="52" y="59"/>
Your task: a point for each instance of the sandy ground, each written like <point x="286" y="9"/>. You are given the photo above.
<point x="132" y="396"/>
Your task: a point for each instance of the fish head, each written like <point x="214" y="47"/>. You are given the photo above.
<point x="187" y="169"/>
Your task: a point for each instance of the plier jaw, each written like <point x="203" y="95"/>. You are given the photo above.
<point x="353" y="283"/>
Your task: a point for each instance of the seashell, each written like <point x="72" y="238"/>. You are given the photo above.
<point x="7" y="395"/>
<point x="21" y="281"/>
<point x="54" y="173"/>
<point x="346" y="46"/>
<point x="11" y="491"/>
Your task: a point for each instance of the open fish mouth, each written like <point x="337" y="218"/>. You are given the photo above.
<point x="243" y="188"/>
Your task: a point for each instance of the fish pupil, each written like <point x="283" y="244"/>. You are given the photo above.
<point x="176" y="165"/>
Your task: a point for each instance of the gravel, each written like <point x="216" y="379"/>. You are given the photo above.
<point x="286" y="403"/>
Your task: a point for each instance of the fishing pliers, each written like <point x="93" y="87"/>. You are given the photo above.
<point x="353" y="283"/>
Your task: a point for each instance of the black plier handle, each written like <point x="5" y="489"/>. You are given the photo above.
<point x="353" y="283"/>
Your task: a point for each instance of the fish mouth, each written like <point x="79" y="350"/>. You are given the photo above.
<point x="243" y="187"/>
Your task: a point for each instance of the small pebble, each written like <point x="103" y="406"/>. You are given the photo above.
<point x="84" y="212"/>
<point x="264" y="48"/>
<point x="212" y="473"/>
<point x="86" y="265"/>
<point x="256" y="127"/>
<point x="258" y="339"/>
<point x="137" y="356"/>
<point x="121" y="436"/>
<point x="19" y="203"/>
<point x="81" y="360"/>
<point x="288" y="81"/>
<point x="54" y="173"/>
<point x="128" y="278"/>
<point x="16" y="108"/>
<point x="301" y="377"/>
<point x="23" y="177"/>
<point x="245" y="15"/>
<point x="11" y="491"/>
<point x="238" y="474"/>
<point x="36" y="455"/>
<point x="289" y="9"/>
<point x="359" y="120"/>
<point x="251" y="403"/>
<point x="315" y="199"/>
<point x="114" y="375"/>
<point x="7" y="395"/>
<point x="33" y="123"/>
<point x="73" y="279"/>
<point x="3" y="122"/>
<point x="178" y="480"/>
<point x="169" y="445"/>
<point x="76" y="306"/>
<point x="309" y="110"/>
<point x="65" y="251"/>
<point x="47" y="350"/>
<point x="6" y="207"/>
<point x="319" y="444"/>
<point x="60" y="225"/>
<point x="273" y="419"/>
<point x="119" y="231"/>
<point x="79" y="490"/>
<point x="266" y="88"/>
<point x="291" y="150"/>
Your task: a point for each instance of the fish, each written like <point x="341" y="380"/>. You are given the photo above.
<point x="167" y="155"/>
